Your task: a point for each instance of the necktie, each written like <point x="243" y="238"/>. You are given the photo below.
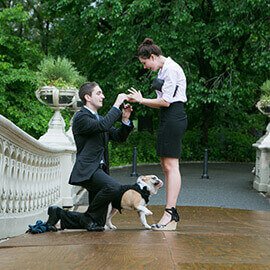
<point x="97" y="116"/>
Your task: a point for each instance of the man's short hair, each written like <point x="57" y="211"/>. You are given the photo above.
<point x="86" y="89"/>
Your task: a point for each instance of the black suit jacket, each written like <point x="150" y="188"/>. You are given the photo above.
<point x="91" y="138"/>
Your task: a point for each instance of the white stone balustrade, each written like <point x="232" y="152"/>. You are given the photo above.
<point x="32" y="177"/>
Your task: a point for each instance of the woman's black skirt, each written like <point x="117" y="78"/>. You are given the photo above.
<point x="172" y="125"/>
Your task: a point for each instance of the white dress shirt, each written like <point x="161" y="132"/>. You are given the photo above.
<point x="173" y="76"/>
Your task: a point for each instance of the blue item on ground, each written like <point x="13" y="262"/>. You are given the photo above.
<point x="39" y="227"/>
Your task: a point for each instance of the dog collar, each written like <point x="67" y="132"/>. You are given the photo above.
<point x="143" y="191"/>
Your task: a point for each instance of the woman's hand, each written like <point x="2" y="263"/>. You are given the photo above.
<point x="135" y="95"/>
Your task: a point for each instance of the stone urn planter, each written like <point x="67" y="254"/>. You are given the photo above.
<point x="58" y="80"/>
<point x="263" y="108"/>
<point x="57" y="99"/>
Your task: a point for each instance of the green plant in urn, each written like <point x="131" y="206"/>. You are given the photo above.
<point x="264" y="103"/>
<point x="59" y="81"/>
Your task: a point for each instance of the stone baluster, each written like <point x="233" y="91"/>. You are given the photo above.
<point x="32" y="177"/>
<point x="3" y="197"/>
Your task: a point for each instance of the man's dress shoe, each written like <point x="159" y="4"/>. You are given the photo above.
<point x="54" y="215"/>
<point x="94" y="227"/>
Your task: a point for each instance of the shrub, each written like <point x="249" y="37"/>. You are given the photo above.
<point x="192" y="148"/>
<point x="231" y="145"/>
<point x="121" y="153"/>
<point x="224" y="144"/>
<point x="59" y="72"/>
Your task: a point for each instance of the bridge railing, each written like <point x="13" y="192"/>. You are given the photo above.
<point x="32" y="177"/>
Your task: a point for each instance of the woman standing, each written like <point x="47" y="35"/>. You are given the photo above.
<point x="170" y="86"/>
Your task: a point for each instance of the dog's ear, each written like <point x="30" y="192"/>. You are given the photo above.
<point x="140" y="178"/>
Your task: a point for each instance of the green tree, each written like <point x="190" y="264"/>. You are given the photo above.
<point x="18" y="58"/>
<point x="222" y="46"/>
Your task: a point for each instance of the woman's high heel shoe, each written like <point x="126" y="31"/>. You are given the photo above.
<point x="171" y="225"/>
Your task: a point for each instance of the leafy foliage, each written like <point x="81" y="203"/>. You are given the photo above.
<point x="265" y="97"/>
<point x="18" y="57"/>
<point x="59" y="72"/>
<point x="222" y="46"/>
<point x="145" y="142"/>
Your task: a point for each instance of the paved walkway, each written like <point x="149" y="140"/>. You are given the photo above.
<point x="206" y="238"/>
<point x="216" y="231"/>
<point x="229" y="186"/>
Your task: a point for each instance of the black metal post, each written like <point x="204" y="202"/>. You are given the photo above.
<point x="134" y="163"/>
<point x="205" y="165"/>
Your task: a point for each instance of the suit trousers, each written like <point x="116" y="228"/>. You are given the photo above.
<point x="74" y="220"/>
<point x="103" y="189"/>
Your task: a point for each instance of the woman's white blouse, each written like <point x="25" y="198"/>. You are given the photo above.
<point x="173" y="75"/>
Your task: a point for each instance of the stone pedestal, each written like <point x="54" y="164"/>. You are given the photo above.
<point x="57" y="138"/>
<point x="57" y="99"/>
<point x="262" y="166"/>
<point x="56" y="135"/>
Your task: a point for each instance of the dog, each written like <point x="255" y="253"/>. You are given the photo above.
<point x="135" y="197"/>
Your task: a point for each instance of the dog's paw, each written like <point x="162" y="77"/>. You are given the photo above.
<point x="148" y="213"/>
<point x="146" y="226"/>
<point x="110" y="227"/>
<point x="113" y="227"/>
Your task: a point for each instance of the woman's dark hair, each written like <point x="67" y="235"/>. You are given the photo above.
<point x="147" y="48"/>
<point x="86" y="89"/>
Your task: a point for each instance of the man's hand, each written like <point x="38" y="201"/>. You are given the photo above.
<point x="120" y="99"/>
<point x="126" y="112"/>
